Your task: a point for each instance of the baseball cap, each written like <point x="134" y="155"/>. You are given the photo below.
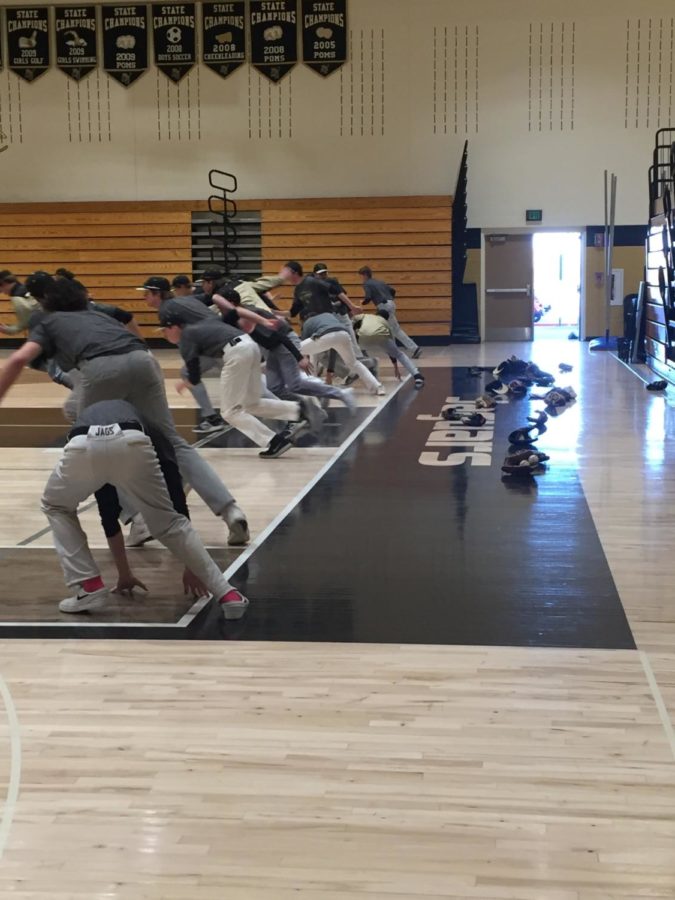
<point x="294" y="266"/>
<point x="155" y="283"/>
<point x="320" y="268"/>
<point x="166" y="320"/>
<point x="215" y="273"/>
<point x="181" y="281"/>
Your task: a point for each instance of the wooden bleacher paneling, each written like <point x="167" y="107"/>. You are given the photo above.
<point x="405" y="240"/>
<point x="112" y="247"/>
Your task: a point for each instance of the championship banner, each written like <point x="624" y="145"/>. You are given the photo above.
<point x="125" y="42"/>
<point x="324" y="34"/>
<point x="224" y="36"/>
<point x="274" y="36"/>
<point x="174" y="38"/>
<point x="28" y="41"/>
<point x="75" y="29"/>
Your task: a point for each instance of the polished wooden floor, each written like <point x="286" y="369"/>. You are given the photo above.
<point x="193" y="770"/>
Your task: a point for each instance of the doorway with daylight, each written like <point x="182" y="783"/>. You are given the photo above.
<point x="556" y="283"/>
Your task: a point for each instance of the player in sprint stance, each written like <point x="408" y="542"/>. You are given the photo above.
<point x="241" y="385"/>
<point x="382" y="295"/>
<point x="374" y="334"/>
<point x="116" y="365"/>
<point x="110" y="447"/>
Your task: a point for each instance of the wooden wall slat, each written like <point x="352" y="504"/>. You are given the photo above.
<point x="116" y="206"/>
<point x="373" y="214"/>
<point x="387" y="237"/>
<point x="355" y="226"/>
<point x="93" y="244"/>
<point x="153" y="231"/>
<point x="96" y="218"/>
<point x="403" y="256"/>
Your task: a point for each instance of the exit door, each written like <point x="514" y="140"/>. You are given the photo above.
<point x="509" y="274"/>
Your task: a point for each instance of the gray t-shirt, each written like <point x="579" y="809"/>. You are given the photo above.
<point x="377" y="291"/>
<point x="324" y="323"/>
<point x="188" y="308"/>
<point x="73" y="337"/>
<point x="205" y="338"/>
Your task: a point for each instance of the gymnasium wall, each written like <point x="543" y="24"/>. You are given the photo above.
<point x="548" y="94"/>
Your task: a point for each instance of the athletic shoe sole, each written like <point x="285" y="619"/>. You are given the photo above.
<point x="239" y="533"/>
<point x="208" y="429"/>
<point x="235" y="609"/>
<point x="97" y="600"/>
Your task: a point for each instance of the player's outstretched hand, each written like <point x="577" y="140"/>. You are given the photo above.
<point x="193" y="585"/>
<point x="127" y="584"/>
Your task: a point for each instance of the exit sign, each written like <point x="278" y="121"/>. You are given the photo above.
<point x="534" y="215"/>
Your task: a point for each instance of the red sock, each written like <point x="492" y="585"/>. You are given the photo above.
<point x="230" y="596"/>
<point x="92" y="584"/>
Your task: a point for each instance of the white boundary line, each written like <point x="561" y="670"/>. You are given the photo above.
<point x="658" y="699"/>
<point x="15" y="766"/>
<point x="197" y="607"/>
<point x="265" y="533"/>
<point x="633" y="371"/>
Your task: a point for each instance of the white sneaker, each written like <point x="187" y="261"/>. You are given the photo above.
<point x="139" y="532"/>
<point x="84" y="601"/>
<point x="380" y="392"/>
<point x="235" y="606"/>
<point x="235" y="520"/>
<point x="349" y="400"/>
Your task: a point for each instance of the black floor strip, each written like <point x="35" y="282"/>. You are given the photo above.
<point x="395" y="544"/>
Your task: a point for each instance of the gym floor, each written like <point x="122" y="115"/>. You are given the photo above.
<point x="450" y="683"/>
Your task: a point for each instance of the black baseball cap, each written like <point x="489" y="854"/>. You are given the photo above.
<point x="166" y="320"/>
<point x="156" y="283"/>
<point x="320" y="268"/>
<point x="215" y="273"/>
<point x="295" y="266"/>
<point x="181" y="281"/>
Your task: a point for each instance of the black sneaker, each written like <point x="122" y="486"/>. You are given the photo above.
<point x="657" y="386"/>
<point x="210" y="424"/>
<point x="475" y="420"/>
<point x="565" y="367"/>
<point x="419" y="381"/>
<point x="279" y="444"/>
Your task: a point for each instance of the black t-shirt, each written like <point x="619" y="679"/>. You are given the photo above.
<point x="335" y="288"/>
<point x="311" y="297"/>
<point x="115" y="312"/>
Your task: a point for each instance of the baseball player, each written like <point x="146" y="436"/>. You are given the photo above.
<point x="110" y="447"/>
<point x="241" y="386"/>
<point x="382" y="295"/>
<point x="375" y="334"/>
